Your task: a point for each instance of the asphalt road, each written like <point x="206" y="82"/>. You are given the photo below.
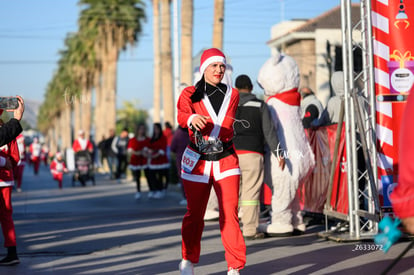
<point x="102" y="229"/>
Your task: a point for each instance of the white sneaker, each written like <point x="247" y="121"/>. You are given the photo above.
<point x="186" y="267"/>
<point x="150" y="194"/>
<point x="233" y="271"/>
<point x="137" y="195"/>
<point x="183" y="202"/>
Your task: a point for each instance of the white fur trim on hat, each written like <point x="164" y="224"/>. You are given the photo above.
<point x="211" y="60"/>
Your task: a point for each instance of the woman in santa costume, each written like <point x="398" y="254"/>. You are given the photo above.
<point x="58" y="168"/>
<point x="137" y="151"/>
<point x="35" y="151"/>
<point x="9" y="157"/>
<point x="158" y="163"/>
<point x="208" y="110"/>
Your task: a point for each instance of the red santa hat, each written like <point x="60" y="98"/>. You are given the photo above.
<point x="211" y="56"/>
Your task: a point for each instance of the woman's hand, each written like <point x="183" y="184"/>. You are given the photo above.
<point x="18" y="113"/>
<point x="199" y="122"/>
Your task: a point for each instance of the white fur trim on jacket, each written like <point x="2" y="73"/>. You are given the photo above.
<point x="6" y="183"/>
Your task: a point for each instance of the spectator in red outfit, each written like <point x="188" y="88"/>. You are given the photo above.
<point x="168" y="132"/>
<point x="9" y="157"/>
<point x="81" y="143"/>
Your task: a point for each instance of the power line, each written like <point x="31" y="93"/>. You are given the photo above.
<point x="28" y="62"/>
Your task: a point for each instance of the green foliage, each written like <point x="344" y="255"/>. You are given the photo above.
<point x="130" y="115"/>
<point x="101" y="23"/>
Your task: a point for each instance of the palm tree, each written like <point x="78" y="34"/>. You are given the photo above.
<point x="187" y="42"/>
<point x="55" y="105"/>
<point x="118" y="24"/>
<point x="166" y="62"/>
<point x="83" y="64"/>
<point x="157" y="61"/>
<point x="218" y="24"/>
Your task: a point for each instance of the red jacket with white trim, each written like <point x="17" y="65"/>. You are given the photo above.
<point x="80" y="145"/>
<point x="57" y="167"/>
<point x="138" y="161"/>
<point x="218" y="126"/>
<point x="158" y="147"/>
<point x="10" y="151"/>
<point x="35" y="150"/>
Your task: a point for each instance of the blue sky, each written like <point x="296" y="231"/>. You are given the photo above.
<point x="33" y="32"/>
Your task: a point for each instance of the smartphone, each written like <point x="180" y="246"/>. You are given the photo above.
<point x="9" y="103"/>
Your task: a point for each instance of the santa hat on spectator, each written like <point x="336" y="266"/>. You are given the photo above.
<point x="211" y="56"/>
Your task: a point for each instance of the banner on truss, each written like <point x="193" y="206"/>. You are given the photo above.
<point x="393" y="44"/>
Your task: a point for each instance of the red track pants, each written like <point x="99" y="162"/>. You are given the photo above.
<point x="18" y="175"/>
<point x="6" y="220"/>
<point x="197" y="194"/>
<point x="59" y="178"/>
<point x="36" y="164"/>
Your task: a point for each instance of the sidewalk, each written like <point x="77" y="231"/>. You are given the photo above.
<point x="102" y="230"/>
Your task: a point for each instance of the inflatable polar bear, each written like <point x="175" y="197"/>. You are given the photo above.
<point x="279" y="77"/>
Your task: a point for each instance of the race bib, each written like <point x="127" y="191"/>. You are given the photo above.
<point x="189" y="160"/>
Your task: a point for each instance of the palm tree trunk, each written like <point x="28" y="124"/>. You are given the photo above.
<point x="157" y="61"/>
<point x="60" y="130"/>
<point x="86" y="111"/>
<point x="166" y="62"/>
<point x="187" y="42"/>
<point x="218" y="24"/>
<point x="111" y="96"/>
<point x="109" y="70"/>
<point x="97" y="115"/>
<point x="77" y="114"/>
<point x="52" y="134"/>
<point x="68" y="128"/>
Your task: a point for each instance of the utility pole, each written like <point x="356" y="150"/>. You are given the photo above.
<point x="176" y="59"/>
<point x="218" y="24"/>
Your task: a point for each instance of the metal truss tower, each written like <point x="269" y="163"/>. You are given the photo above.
<point x="363" y="216"/>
